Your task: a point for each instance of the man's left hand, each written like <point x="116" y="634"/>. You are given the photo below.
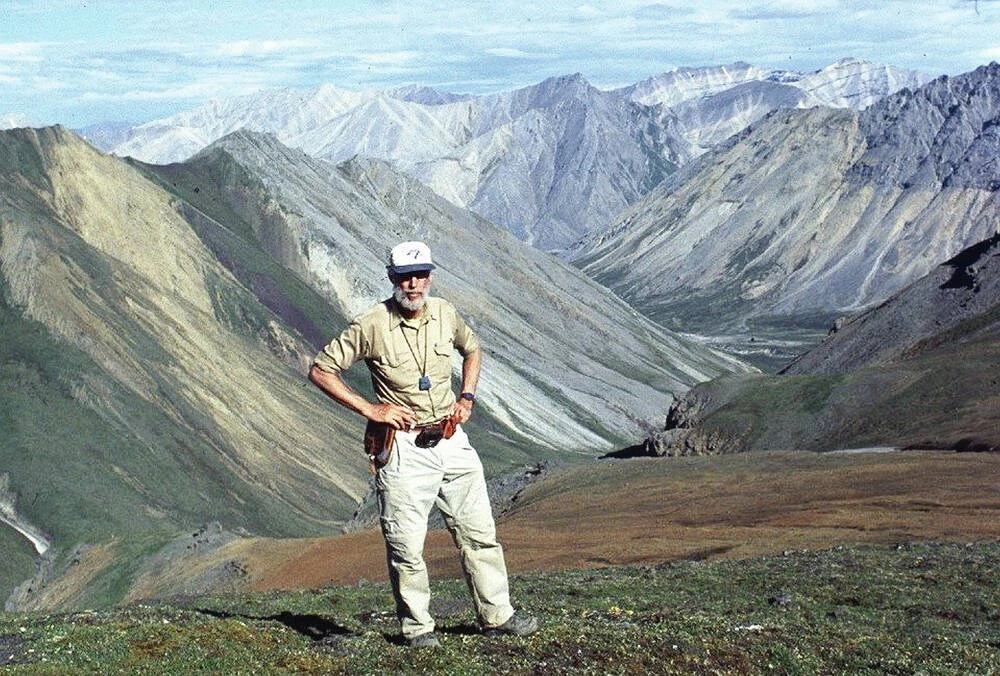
<point x="462" y="411"/>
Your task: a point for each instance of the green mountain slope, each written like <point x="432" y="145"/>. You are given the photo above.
<point x="144" y="389"/>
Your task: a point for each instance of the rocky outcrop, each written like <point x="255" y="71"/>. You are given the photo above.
<point x="192" y="563"/>
<point x="683" y="442"/>
<point x="683" y="435"/>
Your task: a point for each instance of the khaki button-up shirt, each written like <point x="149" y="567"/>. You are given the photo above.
<point x="398" y="352"/>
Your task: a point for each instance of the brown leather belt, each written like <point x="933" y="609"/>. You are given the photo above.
<point x="431" y="426"/>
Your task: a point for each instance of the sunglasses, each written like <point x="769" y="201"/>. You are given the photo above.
<point x="419" y="274"/>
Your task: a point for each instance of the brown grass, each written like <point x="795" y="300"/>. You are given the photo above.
<point x="658" y="510"/>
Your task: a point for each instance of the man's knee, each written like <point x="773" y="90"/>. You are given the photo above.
<point x="474" y="536"/>
<point x="405" y="548"/>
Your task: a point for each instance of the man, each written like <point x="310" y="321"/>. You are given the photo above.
<point x="407" y="342"/>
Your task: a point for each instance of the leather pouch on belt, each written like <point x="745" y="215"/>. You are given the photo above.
<point x="378" y="443"/>
<point x="450" y="425"/>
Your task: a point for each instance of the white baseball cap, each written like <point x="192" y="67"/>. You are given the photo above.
<point x="407" y="257"/>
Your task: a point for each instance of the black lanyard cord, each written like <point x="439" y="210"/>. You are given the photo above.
<point x="425" y="382"/>
<point x="423" y="369"/>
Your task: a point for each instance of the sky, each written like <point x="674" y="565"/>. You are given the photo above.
<point x="78" y="63"/>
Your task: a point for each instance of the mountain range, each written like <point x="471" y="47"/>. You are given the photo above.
<point x="550" y="162"/>
<point x="807" y="215"/>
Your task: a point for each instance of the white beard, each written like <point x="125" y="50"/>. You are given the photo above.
<point x="414" y="305"/>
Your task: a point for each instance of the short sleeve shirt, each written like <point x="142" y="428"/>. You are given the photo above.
<point x="398" y="352"/>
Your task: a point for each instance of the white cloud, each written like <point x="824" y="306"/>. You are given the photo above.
<point x="202" y="90"/>
<point x="389" y="58"/>
<point x="509" y="53"/>
<point x="990" y="54"/>
<point x="32" y="52"/>
<point x="263" y="47"/>
<point x="48" y="84"/>
<point x="588" y="10"/>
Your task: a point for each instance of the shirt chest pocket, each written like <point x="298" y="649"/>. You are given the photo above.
<point x="439" y="365"/>
<point x="394" y="372"/>
<point x="444" y="349"/>
<point x="388" y="366"/>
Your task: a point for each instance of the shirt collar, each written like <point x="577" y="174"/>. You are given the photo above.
<point x="397" y="319"/>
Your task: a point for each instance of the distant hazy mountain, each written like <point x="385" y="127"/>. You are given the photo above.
<point x="106" y="135"/>
<point x="157" y="324"/>
<point x="812" y="213"/>
<point x="547" y="162"/>
<point x="550" y="162"/>
<point x="712" y="104"/>
<point x="916" y="371"/>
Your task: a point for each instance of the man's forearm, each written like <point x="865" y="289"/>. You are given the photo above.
<point x="471" y="365"/>
<point x="334" y="387"/>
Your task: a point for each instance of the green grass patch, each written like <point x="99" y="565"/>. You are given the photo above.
<point x="914" y="608"/>
<point x="766" y="411"/>
<point x="19" y="559"/>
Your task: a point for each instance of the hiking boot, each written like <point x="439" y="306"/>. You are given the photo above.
<point x="428" y="640"/>
<point x="519" y="624"/>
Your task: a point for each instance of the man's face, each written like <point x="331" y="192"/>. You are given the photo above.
<point x="410" y="289"/>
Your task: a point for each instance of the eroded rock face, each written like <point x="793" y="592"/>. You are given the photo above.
<point x="943" y="135"/>
<point x="952" y="303"/>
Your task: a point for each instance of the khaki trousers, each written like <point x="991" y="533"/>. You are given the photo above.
<point x="449" y="475"/>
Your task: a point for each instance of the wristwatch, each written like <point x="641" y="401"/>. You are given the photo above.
<point x="468" y="396"/>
